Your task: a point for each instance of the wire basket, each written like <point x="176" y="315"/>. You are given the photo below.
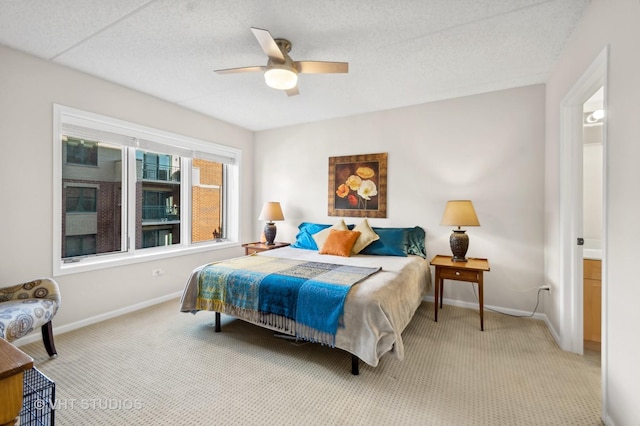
<point x="38" y="399"/>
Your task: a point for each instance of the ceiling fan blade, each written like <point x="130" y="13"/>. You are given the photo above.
<point x="240" y="70"/>
<point x="319" y="67"/>
<point x="293" y="91"/>
<point x="268" y="44"/>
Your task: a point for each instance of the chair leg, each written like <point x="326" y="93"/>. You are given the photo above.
<point x="47" y="339"/>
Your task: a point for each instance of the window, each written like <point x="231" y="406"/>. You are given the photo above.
<point x="80" y="199"/>
<point x="147" y="194"/>
<point x="80" y="220"/>
<point x="206" y="196"/>
<point x="159" y="187"/>
<point x="82" y="152"/>
<point x="80" y="245"/>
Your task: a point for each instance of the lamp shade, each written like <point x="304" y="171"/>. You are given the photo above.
<point x="460" y="213"/>
<point x="271" y="211"/>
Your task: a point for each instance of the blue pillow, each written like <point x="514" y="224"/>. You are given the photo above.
<point x="391" y="242"/>
<point x="304" y="239"/>
<point x="398" y="242"/>
<point x="415" y="242"/>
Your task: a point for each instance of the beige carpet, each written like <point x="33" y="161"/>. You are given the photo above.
<point x="162" y="367"/>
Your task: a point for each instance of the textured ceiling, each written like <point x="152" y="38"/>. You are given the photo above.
<point x="400" y="53"/>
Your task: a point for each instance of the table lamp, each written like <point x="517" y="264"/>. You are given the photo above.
<point x="459" y="213"/>
<point x="271" y="211"/>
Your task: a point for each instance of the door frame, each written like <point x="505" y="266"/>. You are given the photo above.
<point x="571" y="187"/>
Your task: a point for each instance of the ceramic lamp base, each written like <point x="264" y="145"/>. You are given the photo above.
<point x="270" y="233"/>
<point x="459" y="242"/>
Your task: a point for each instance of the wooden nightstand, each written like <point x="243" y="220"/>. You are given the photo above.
<point x="470" y="271"/>
<point x="250" y="248"/>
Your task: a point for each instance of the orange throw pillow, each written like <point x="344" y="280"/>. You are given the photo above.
<point x="340" y="243"/>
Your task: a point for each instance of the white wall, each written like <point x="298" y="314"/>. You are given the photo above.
<point x="28" y="89"/>
<point x="488" y="148"/>
<point x="613" y="23"/>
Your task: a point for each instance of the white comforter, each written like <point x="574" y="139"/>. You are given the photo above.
<point x="376" y="310"/>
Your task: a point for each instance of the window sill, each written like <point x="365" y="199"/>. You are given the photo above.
<point x="113" y="260"/>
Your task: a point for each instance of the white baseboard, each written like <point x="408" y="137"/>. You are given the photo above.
<point x="607" y="421"/>
<point x="36" y="335"/>
<point x="509" y="311"/>
<point x="553" y="331"/>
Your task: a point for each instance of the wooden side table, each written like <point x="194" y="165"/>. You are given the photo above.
<point x="250" y="248"/>
<point x="470" y="271"/>
<point x="13" y="364"/>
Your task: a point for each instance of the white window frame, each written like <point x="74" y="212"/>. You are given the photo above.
<point x="189" y="147"/>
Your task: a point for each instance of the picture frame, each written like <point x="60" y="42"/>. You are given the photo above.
<point x="358" y="186"/>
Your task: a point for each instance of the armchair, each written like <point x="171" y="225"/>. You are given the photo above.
<point x="24" y="307"/>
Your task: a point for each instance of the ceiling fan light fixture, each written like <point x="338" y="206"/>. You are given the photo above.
<point x="281" y="73"/>
<point x="281" y="78"/>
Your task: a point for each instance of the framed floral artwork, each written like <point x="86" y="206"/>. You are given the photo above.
<point x="358" y="185"/>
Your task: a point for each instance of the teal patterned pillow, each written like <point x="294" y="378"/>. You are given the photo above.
<point x="415" y="242"/>
<point x="392" y="242"/>
<point x="398" y="242"/>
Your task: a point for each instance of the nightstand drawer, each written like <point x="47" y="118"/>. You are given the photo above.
<point x="457" y="274"/>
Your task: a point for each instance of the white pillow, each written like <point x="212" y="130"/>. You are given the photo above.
<point x="321" y="237"/>
<point x="367" y="236"/>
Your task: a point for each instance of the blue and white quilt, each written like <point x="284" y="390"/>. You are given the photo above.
<point x="310" y="293"/>
<point x="374" y="312"/>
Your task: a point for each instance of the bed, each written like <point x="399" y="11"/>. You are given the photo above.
<point x="376" y="309"/>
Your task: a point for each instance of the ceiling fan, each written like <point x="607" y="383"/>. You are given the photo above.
<point x="281" y="72"/>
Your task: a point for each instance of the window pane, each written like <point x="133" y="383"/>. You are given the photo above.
<point x="88" y="199"/>
<point x="157" y="236"/>
<point x="207" y="201"/>
<point x="80" y="245"/>
<point x="158" y="199"/>
<point x="81" y="199"/>
<point x="92" y="202"/>
<point x="73" y="197"/>
<point x="81" y="152"/>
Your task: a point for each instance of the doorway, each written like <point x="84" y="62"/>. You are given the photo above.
<point x="571" y="214"/>
<point x="592" y="206"/>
